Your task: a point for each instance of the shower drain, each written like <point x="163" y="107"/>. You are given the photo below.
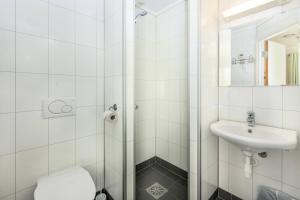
<point x="156" y="190"/>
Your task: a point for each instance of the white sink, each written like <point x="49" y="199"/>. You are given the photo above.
<point x="258" y="137"/>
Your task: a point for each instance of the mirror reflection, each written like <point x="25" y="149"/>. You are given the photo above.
<point x="261" y="49"/>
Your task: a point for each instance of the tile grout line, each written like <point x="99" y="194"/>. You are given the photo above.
<point x="48" y="120"/>
<point x="15" y="98"/>
<point x="75" y="81"/>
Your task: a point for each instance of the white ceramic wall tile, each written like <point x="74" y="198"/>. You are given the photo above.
<point x="7" y="49"/>
<point x="291" y="190"/>
<point x="61" y="58"/>
<point x="267" y="97"/>
<point x="7" y="174"/>
<point x="86" y="88"/>
<point x="27" y="97"/>
<point x="86" y="151"/>
<point x="100" y="63"/>
<point x="113" y="30"/>
<point x="209" y="152"/>
<point x="162" y="149"/>
<point x="100" y="91"/>
<point x="223" y="175"/>
<point x="61" y="24"/>
<point x="291" y="161"/>
<point x="239" y="185"/>
<point x="31" y="165"/>
<point x="224" y="96"/>
<point x="26" y="194"/>
<point x="7" y="127"/>
<point x="100" y="9"/>
<point x="7" y="14"/>
<point x="270" y="167"/>
<point x="174" y="154"/>
<point x="100" y="34"/>
<point x="10" y="197"/>
<point x="269" y="117"/>
<point x="32" y="17"/>
<point x="86" y="30"/>
<point x="61" y="129"/>
<point x="61" y="86"/>
<point x="291" y="98"/>
<point x="7" y="92"/>
<point x="184" y="159"/>
<point x="174" y="133"/>
<point x="86" y="121"/>
<point x="86" y="61"/>
<point x="291" y="121"/>
<point x="31" y="130"/>
<point x="32" y="54"/>
<point x="69" y="4"/>
<point x="240" y="96"/>
<point x="223" y="150"/>
<point x="100" y="121"/>
<point x="114" y="66"/>
<point x="163" y="129"/>
<point x="61" y="156"/>
<point x="236" y="156"/>
<point x="238" y="113"/>
<point x="45" y="62"/>
<point x="87" y="7"/>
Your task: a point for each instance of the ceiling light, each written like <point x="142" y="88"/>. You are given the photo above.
<point x="251" y="7"/>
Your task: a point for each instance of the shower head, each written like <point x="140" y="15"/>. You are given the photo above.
<point x="141" y="14"/>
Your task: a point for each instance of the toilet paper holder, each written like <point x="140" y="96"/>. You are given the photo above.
<point x="113" y="107"/>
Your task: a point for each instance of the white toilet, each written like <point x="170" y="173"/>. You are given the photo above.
<point x="70" y="184"/>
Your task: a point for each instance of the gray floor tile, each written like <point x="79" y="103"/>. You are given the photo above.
<point x="177" y="187"/>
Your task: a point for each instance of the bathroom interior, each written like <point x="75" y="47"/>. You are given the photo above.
<point x="149" y="99"/>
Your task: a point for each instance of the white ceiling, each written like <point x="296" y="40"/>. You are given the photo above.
<point x="155" y="5"/>
<point x="290" y="42"/>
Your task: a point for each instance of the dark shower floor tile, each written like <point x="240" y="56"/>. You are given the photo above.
<point x="176" y="185"/>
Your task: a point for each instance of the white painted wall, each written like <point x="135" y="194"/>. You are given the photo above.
<point x="49" y="49"/>
<point x="277" y="63"/>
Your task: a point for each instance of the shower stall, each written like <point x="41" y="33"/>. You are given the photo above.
<point x="161" y="90"/>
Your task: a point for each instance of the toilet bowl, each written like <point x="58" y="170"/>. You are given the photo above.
<point x="70" y="184"/>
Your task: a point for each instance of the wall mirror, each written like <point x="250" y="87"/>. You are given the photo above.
<point x="262" y="48"/>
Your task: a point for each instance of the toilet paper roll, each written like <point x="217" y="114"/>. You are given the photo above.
<point x="110" y="116"/>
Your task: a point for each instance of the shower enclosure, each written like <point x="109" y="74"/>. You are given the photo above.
<point x="148" y="90"/>
<point x="161" y="90"/>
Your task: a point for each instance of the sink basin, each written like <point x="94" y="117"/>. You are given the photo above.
<point x="258" y="137"/>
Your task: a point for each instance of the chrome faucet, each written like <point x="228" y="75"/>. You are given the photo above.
<point x="251" y="118"/>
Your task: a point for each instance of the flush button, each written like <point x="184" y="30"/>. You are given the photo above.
<point x="58" y="107"/>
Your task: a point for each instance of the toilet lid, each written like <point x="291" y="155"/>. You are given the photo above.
<point x="71" y="184"/>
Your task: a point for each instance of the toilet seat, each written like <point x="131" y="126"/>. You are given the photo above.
<point x="71" y="184"/>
